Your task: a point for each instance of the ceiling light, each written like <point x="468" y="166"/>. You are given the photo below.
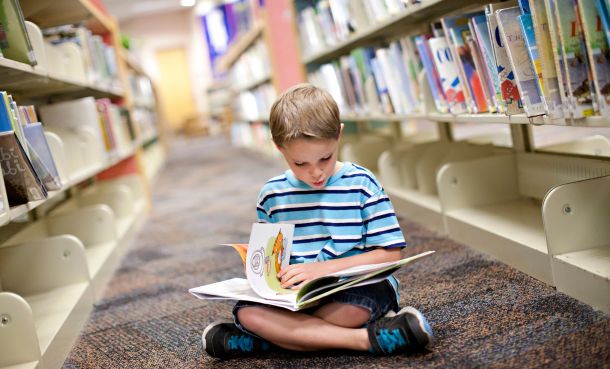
<point x="188" y="3"/>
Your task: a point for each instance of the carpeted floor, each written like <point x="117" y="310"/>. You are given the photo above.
<point x="484" y="313"/>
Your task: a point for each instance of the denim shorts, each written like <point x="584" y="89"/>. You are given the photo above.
<point x="378" y="298"/>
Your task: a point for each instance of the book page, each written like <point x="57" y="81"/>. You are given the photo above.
<point x="268" y="252"/>
<point x="238" y="289"/>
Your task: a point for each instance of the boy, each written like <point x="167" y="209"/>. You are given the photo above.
<point x="342" y="218"/>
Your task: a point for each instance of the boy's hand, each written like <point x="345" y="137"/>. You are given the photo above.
<point x="296" y="275"/>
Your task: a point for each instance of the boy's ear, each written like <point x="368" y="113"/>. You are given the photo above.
<point x="341" y="131"/>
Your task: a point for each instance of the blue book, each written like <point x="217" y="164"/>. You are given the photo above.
<point x="529" y="37"/>
<point x="5" y="120"/>
<point x="604" y="13"/>
<point x="431" y="74"/>
<point x="524" y="5"/>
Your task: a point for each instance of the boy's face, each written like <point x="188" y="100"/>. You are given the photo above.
<point x="312" y="161"/>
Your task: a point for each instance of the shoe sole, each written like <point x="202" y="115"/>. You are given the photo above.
<point x="423" y="322"/>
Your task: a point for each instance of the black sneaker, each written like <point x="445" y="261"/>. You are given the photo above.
<point x="407" y="331"/>
<point x="225" y="340"/>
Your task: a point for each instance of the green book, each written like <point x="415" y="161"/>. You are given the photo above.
<point x="14" y="40"/>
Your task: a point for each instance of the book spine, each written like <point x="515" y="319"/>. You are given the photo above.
<point x="574" y="59"/>
<point x="552" y="87"/>
<point x="482" y="35"/>
<point x="508" y="85"/>
<point x="598" y="52"/>
<point x="431" y="74"/>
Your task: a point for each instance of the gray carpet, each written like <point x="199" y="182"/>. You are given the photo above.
<point x="484" y="313"/>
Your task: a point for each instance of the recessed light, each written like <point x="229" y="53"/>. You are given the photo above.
<point x="188" y="3"/>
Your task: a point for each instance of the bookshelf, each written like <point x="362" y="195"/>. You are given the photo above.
<point x="502" y="201"/>
<point x="57" y="254"/>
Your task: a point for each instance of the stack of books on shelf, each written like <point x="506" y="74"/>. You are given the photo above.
<point x="255" y="104"/>
<point x="329" y="22"/>
<point x="252" y="67"/>
<point x="535" y="58"/>
<point x="28" y="166"/>
<point x="68" y="53"/>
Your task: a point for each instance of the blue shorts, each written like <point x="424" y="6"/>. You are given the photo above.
<point x="378" y="298"/>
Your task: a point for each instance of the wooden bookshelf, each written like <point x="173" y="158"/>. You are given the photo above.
<point x="28" y="82"/>
<point x="50" y="13"/>
<point x="240" y="45"/>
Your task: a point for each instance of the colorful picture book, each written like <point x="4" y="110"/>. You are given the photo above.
<point x="508" y="83"/>
<point x="525" y="77"/>
<point x="267" y="252"/>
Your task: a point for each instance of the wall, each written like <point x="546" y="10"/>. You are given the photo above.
<point x="168" y="30"/>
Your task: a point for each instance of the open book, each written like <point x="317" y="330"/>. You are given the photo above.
<point x="267" y="253"/>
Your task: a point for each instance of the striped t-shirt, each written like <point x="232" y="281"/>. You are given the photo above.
<point x="351" y="215"/>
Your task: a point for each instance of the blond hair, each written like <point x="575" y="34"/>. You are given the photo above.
<point x="304" y="111"/>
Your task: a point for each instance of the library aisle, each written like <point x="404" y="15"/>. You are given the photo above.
<point x="483" y="312"/>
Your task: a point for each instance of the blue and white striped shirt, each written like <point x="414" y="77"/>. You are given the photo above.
<point x="351" y="215"/>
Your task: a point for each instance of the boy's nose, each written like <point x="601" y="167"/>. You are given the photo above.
<point x="316" y="172"/>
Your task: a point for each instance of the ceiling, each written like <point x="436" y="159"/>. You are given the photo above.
<point x="126" y="9"/>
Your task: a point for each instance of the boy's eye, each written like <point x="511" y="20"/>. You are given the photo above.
<point x="326" y="158"/>
<point x="299" y="164"/>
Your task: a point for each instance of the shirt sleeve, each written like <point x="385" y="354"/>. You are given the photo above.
<point x="380" y="223"/>
<point x="262" y="212"/>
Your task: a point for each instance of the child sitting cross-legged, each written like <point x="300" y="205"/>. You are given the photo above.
<point x="342" y="218"/>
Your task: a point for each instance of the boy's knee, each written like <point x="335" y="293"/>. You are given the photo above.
<point x="251" y="318"/>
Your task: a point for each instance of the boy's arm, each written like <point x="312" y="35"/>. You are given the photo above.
<point x="298" y="274"/>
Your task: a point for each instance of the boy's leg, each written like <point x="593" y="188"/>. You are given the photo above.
<point x="305" y="332"/>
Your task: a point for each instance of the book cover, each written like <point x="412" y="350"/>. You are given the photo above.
<point x="510" y="31"/>
<point x="16" y="44"/>
<point x="481" y="32"/>
<point x="508" y="84"/>
<point x="412" y="64"/>
<point x="529" y="37"/>
<point x="432" y="75"/>
<point x="406" y="85"/>
<point x="552" y="85"/>
<point x="480" y="66"/>
<point x="267" y="252"/>
<point x="362" y="58"/>
<point x="603" y="7"/>
<point x="22" y="184"/>
<point x="41" y="157"/>
<point x="448" y="72"/>
<point x="574" y="57"/>
<point x="598" y="52"/>
<point x="386" y="58"/>
<point x="457" y="30"/>
<point x="382" y="89"/>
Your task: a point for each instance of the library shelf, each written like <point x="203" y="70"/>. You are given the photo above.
<point x="240" y="45"/>
<point x="74" y="249"/>
<point x="253" y="84"/>
<point x="50" y="13"/>
<point x="395" y="25"/>
<point x="73" y="179"/>
<point x="580" y="258"/>
<point x="482" y="118"/>
<point x="28" y="82"/>
<point x="73" y="239"/>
